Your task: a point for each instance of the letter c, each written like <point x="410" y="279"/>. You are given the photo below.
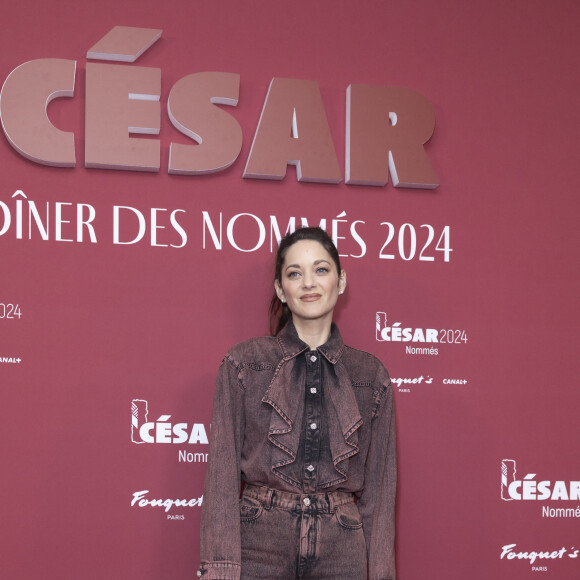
<point x="24" y="98"/>
<point x="145" y="432"/>
<point x="513" y="489"/>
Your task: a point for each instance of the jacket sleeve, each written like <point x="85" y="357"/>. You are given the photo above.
<point x="377" y="501"/>
<point x="220" y="520"/>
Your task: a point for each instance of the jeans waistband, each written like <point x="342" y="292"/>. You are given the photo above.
<point x="323" y="502"/>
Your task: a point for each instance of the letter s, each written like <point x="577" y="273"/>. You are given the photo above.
<point x="191" y="108"/>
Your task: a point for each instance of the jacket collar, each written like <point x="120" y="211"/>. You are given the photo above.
<point x="292" y="346"/>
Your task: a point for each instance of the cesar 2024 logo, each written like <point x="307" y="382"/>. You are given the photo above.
<point x="164" y="431"/>
<point x="513" y="488"/>
<point x="422" y="340"/>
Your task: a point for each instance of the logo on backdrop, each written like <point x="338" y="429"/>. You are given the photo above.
<point x="422" y="340"/>
<point x="10" y="360"/>
<point x="376" y="149"/>
<point x="164" y="431"/>
<point x="404" y="383"/>
<point x="528" y="488"/>
<point x="511" y="552"/>
<point x="140" y="499"/>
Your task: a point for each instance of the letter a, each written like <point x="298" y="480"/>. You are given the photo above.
<point x="293" y="130"/>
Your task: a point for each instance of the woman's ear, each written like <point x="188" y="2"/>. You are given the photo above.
<point x="342" y="282"/>
<point x="279" y="291"/>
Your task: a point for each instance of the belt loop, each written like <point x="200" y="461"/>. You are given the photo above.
<point x="269" y="496"/>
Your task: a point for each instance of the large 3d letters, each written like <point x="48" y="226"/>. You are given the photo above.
<point x="191" y="108"/>
<point x="386" y="128"/>
<point x="23" y="102"/>
<point x="293" y="129"/>
<point x="122" y="100"/>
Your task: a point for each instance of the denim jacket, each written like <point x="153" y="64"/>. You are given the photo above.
<point x="255" y="434"/>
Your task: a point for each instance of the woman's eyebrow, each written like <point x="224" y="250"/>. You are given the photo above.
<point x="315" y="263"/>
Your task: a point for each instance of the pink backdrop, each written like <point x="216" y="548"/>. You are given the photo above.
<point x="99" y="325"/>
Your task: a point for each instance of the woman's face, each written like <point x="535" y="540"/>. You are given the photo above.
<point x="310" y="282"/>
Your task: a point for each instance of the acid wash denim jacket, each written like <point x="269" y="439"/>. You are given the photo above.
<point x="255" y="434"/>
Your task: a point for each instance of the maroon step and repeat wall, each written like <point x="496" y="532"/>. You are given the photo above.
<point x="120" y="291"/>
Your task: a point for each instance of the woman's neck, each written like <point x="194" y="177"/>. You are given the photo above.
<point x="313" y="332"/>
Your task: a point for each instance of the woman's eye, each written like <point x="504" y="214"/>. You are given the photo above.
<point x="293" y="274"/>
<point x="322" y="270"/>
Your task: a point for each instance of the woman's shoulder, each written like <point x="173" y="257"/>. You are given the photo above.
<point x="260" y="349"/>
<point x="357" y="353"/>
<point x="365" y="364"/>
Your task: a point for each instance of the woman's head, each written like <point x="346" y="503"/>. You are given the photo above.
<point x="307" y="278"/>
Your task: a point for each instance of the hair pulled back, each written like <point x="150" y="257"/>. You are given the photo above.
<point x="279" y="312"/>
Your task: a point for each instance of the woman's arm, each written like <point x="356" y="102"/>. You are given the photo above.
<point x="377" y="501"/>
<point x="220" y="520"/>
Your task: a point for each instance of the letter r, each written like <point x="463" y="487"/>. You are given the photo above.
<point x="386" y="129"/>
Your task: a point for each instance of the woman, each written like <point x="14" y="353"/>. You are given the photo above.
<point x="307" y="424"/>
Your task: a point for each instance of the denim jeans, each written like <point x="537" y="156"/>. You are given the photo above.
<point x="301" y="536"/>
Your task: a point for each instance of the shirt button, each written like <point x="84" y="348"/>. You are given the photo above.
<point x="313" y="358"/>
<point x="313" y="390"/>
<point x="306" y="501"/>
<point x="310" y="468"/>
<point x="313" y="425"/>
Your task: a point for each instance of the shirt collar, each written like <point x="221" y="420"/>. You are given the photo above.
<point x="292" y="346"/>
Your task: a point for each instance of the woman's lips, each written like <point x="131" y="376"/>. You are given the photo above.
<point x="309" y="297"/>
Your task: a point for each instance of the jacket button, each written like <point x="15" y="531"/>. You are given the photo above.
<point x="306" y="501"/>
<point x="199" y="573"/>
